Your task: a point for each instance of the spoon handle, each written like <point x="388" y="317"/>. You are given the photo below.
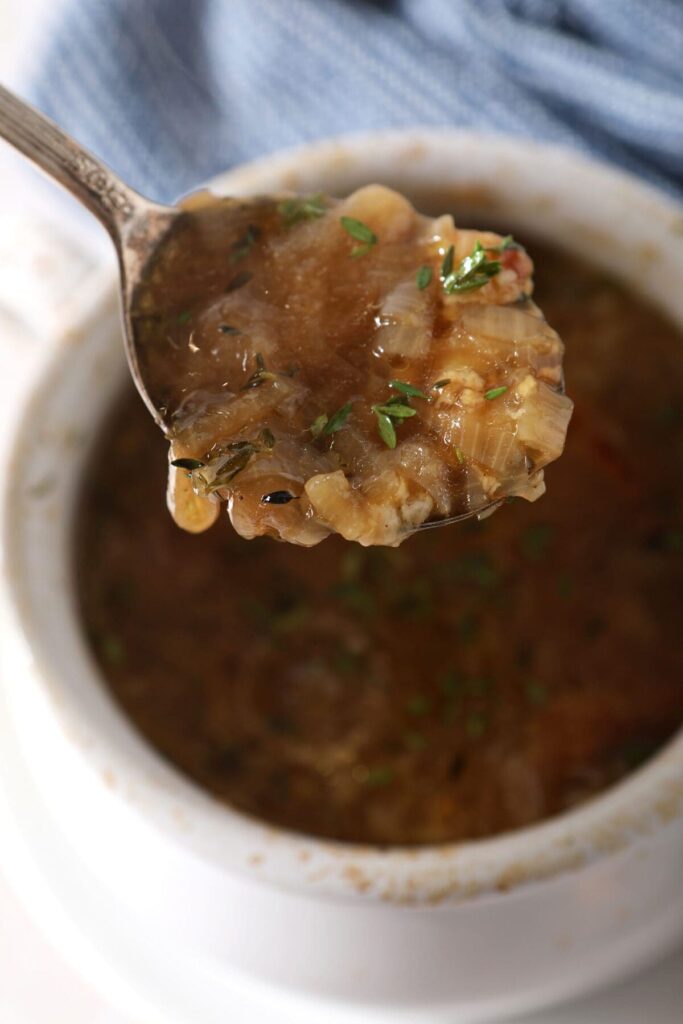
<point x="59" y="156"/>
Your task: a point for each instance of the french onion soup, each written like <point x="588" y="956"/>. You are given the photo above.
<point x="346" y="366"/>
<point x="477" y="679"/>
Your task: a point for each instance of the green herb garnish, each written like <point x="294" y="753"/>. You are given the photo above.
<point x="190" y="464"/>
<point x="184" y="317"/>
<point x="396" y="410"/>
<point x="386" y="429"/>
<point x="227" y="329"/>
<point x="495" y="392"/>
<point x="361" y="232"/>
<point x="259" y="376"/>
<point x="231" y="466"/>
<point x="506" y="243"/>
<point x="231" y="459"/>
<point x="407" y="389"/>
<point x="266" y="439"/>
<point x="336" y="420"/>
<point x="318" y="424"/>
<point x="302" y="208"/>
<point x="278" y="498"/>
<point x="238" y="281"/>
<point x="440" y="384"/>
<point x="474" y="271"/>
<point x="424" y="277"/>
<point x="447" y="264"/>
<point x="243" y="245"/>
<point x="460" y="455"/>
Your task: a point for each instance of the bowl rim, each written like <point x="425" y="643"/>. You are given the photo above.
<point x="645" y="801"/>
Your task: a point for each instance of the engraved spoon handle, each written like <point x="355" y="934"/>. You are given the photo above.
<point x="59" y="156"/>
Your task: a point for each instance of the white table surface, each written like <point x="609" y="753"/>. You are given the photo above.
<point x="36" y="985"/>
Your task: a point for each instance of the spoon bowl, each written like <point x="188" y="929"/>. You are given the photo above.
<point x="151" y="240"/>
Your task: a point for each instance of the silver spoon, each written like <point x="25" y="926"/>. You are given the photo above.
<point x="139" y="228"/>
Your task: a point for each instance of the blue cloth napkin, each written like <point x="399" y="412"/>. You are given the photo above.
<point x="169" y="92"/>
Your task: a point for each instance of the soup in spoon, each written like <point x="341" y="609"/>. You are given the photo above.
<point x="350" y="367"/>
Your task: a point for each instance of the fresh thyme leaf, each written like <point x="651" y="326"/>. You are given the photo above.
<point x="235" y="446"/>
<point x="230" y="468"/>
<point x="238" y="281"/>
<point x="395" y="410"/>
<point x="407" y="389"/>
<point x="460" y="455"/>
<point x="361" y="232"/>
<point x="386" y="429"/>
<point x="184" y="317"/>
<point x="231" y="459"/>
<point x="259" y="376"/>
<point x="318" y="424"/>
<point x="424" y="277"/>
<point x="495" y="392"/>
<point x="441" y="384"/>
<point x="257" y="379"/>
<point x="187" y="463"/>
<point x="358" y="230"/>
<point x="447" y="265"/>
<point x="506" y="243"/>
<point x="302" y="208"/>
<point x="474" y="271"/>
<point x="266" y="439"/>
<point x="243" y="245"/>
<point x="227" y="329"/>
<point x="337" y="420"/>
<point x="278" y="498"/>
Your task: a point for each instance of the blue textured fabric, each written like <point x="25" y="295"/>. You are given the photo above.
<point x="169" y="92"/>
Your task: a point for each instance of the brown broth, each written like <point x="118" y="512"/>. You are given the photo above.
<point x="479" y="679"/>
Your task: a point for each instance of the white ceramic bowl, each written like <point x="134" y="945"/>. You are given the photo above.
<point x="184" y="897"/>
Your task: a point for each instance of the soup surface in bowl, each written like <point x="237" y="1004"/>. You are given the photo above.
<point x="481" y="678"/>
